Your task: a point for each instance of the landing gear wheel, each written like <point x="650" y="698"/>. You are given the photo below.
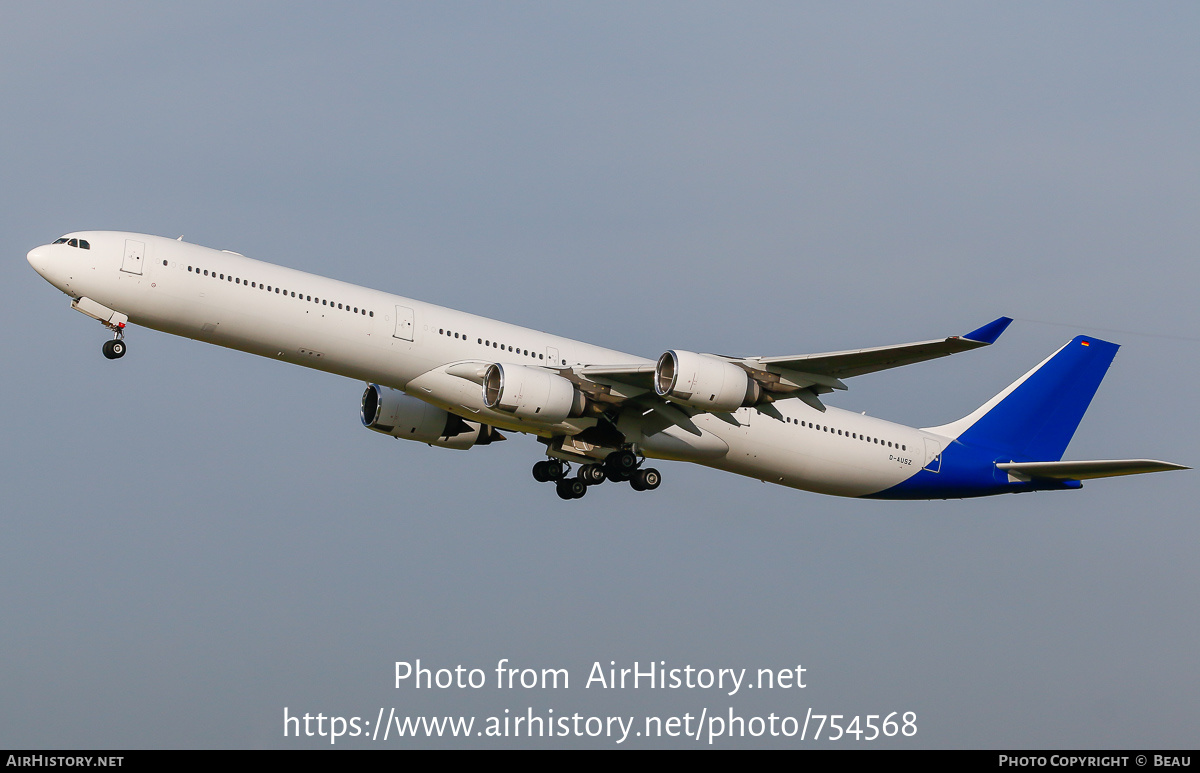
<point x="645" y="480"/>
<point x="620" y="465"/>
<point x="548" y="470"/>
<point x="114" y="350"/>
<point x="592" y="474"/>
<point x="570" y="488"/>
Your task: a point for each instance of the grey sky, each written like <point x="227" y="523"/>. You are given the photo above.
<point x="195" y="538"/>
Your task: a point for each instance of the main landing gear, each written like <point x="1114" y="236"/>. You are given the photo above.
<point x="617" y="466"/>
<point x="115" y="349"/>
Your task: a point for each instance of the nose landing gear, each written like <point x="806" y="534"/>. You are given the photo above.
<point x="115" y="349"/>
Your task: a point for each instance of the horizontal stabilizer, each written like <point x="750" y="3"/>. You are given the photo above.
<point x="1098" y="468"/>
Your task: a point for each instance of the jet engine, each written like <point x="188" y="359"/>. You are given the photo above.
<point x="531" y="393"/>
<point x="705" y="382"/>
<point x="403" y="416"/>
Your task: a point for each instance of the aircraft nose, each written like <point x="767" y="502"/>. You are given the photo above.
<point x="37" y="259"/>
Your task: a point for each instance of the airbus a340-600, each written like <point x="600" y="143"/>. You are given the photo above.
<point x="453" y="379"/>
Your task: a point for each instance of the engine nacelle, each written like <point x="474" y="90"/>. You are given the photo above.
<point x="531" y="393"/>
<point x="705" y="382"/>
<point x="403" y="416"/>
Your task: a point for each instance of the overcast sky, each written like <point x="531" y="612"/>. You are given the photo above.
<point x="195" y="538"/>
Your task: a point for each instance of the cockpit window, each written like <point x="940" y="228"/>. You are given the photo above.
<point x="61" y="241"/>
<point x="84" y="244"/>
<point x="81" y="243"/>
<point x="73" y="243"/>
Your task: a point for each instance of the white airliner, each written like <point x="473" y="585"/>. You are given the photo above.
<point x="452" y="379"/>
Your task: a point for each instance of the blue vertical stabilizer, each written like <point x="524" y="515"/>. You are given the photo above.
<point x="1037" y="417"/>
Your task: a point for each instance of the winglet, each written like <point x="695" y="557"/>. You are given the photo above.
<point x="989" y="332"/>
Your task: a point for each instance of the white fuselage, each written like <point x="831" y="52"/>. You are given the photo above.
<point x="230" y="300"/>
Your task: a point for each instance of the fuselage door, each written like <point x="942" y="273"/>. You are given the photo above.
<point x="552" y="356"/>
<point x="933" y="455"/>
<point x="134" y="252"/>
<point x="404" y="323"/>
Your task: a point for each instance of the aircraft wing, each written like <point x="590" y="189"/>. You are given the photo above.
<point x="856" y="362"/>
<point x="1099" y="468"/>
<point x="804" y="376"/>
<point x="640" y="376"/>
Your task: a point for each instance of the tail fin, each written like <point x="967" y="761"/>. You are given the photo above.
<point x="1035" y="417"/>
